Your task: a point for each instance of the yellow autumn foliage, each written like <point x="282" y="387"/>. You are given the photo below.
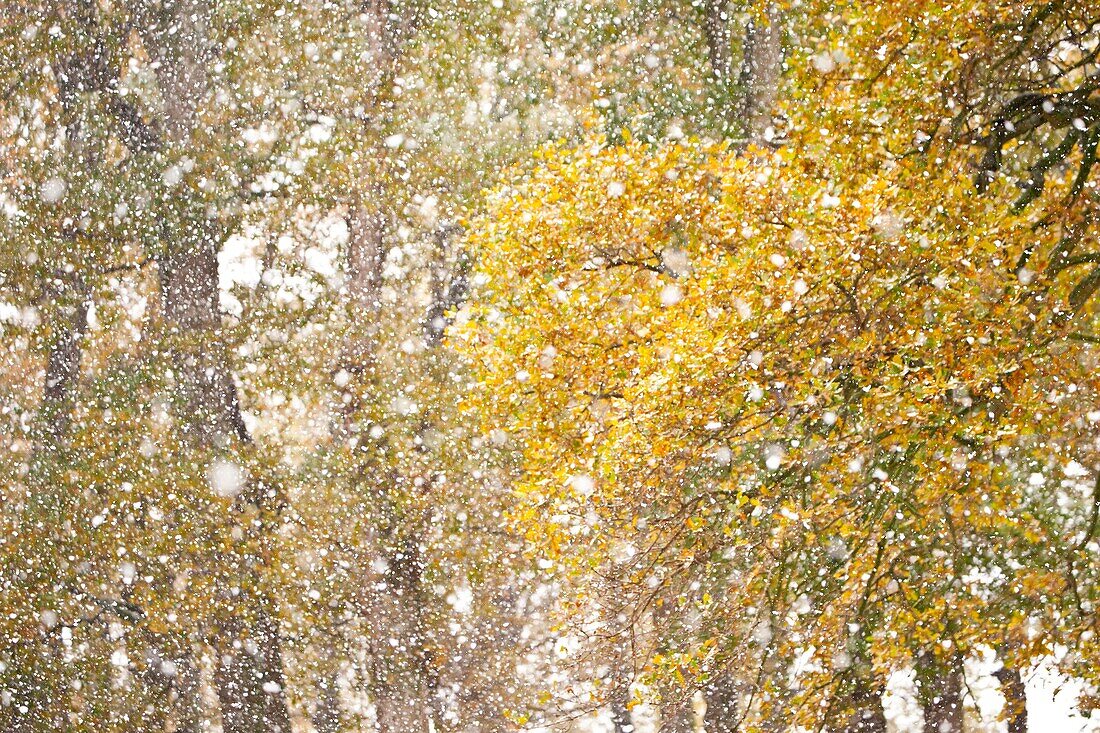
<point x="827" y="400"/>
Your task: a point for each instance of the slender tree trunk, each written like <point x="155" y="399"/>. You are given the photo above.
<point x="761" y="69"/>
<point x="719" y="38"/>
<point x="42" y="693"/>
<point x="171" y="683"/>
<point x="188" y="701"/>
<point x="71" y="300"/>
<point x="41" y="685"/>
<point x="365" y="257"/>
<point x="248" y="675"/>
<point x="206" y="393"/>
<point x="868" y="714"/>
<point x="326" y="715"/>
<point x="941" y="693"/>
<point x="722" y="695"/>
<point x="249" y="678"/>
<point x="450" y="285"/>
<point x="718" y="33"/>
<point x="678" y="717"/>
<point x="405" y="680"/>
<point x="1015" y="694"/>
<point x="67" y="291"/>
<point x="621" y="719"/>
<point x="63" y="365"/>
<point x="402" y="681"/>
<point x="357" y="363"/>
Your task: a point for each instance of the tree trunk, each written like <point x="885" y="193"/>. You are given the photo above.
<point x="678" y="717"/>
<point x="248" y="677"/>
<point x="62" y="367"/>
<point x="326" y="715"/>
<point x="188" y="701"/>
<point x="40" y="679"/>
<point x="722" y="697"/>
<point x="868" y="715"/>
<point x="717" y="31"/>
<point x="365" y="257"/>
<point x="402" y="681"/>
<point x="941" y="693"/>
<point x="76" y="76"/>
<point x="206" y="393"/>
<point x="450" y="285"/>
<point x="1015" y="695"/>
<point x="621" y="719"/>
<point x="171" y="683"/>
<point x="58" y="396"/>
<point x="761" y="69"/>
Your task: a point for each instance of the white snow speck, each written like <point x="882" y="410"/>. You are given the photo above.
<point x="676" y="261"/>
<point x="461" y="599"/>
<point x="226" y="479"/>
<point x="824" y="63"/>
<point x="773" y="458"/>
<point x="546" y="358"/>
<point x="671" y="295"/>
<point x="404" y="406"/>
<point x="52" y="190"/>
<point x="1073" y="469"/>
<point x="172" y="175"/>
<point x="888" y="225"/>
<point x="48" y="618"/>
<point x="583" y="485"/>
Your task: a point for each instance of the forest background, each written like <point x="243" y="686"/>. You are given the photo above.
<point x="711" y="365"/>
